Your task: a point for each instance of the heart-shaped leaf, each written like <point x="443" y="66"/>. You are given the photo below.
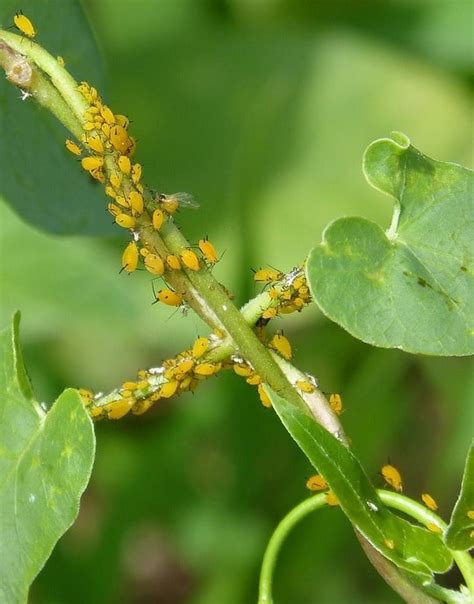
<point x="410" y="287"/>
<point x="45" y="464"/>
<point x="410" y="547"/>
<point x="460" y="533"/>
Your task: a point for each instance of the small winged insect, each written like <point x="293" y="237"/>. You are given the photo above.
<point x="174" y="201"/>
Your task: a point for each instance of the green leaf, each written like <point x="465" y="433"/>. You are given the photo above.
<point x="42" y="181"/>
<point x="45" y="463"/>
<point x="460" y="533"/>
<point x="415" y="549"/>
<point x="410" y="287"/>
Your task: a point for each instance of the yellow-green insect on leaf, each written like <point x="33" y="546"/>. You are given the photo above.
<point x="136" y="173"/>
<point x="129" y="386"/>
<point x="119" y="138"/>
<point x="113" y="209"/>
<point x="130" y="257"/>
<point x="116" y="180"/>
<point x="142" y="406"/>
<point x="125" y="164"/>
<point x="110" y="192"/>
<point x="23" y="24"/>
<point x="335" y="402"/>
<point x="106" y="130"/>
<point x="269" y="313"/>
<point x="282" y="345"/>
<point x="470" y="514"/>
<point x="169" y="203"/>
<point x="267" y="275"/>
<point x="200" y="347"/>
<point x="183" y="368"/>
<point x="429" y="502"/>
<point x="173" y="262"/>
<point x="242" y="369"/>
<point x="392" y="477"/>
<point x="190" y="259"/>
<point x="157" y="219"/>
<point x="98" y="174"/>
<point x="154" y="264"/>
<point x="264" y="398"/>
<point x="96" y="412"/>
<point x="61" y="61"/>
<point x="389" y="543"/>
<point x="316" y="483"/>
<point x="170" y="297"/>
<point x="72" y="147"/>
<point x="125" y="221"/>
<point x="95" y="143"/>
<point x="208" y="250"/>
<point x="135" y="199"/>
<point x="120" y="199"/>
<point x="118" y="409"/>
<point x="434" y="528"/>
<point x="168" y="389"/>
<point x="92" y="163"/>
<point x="305" y="386"/>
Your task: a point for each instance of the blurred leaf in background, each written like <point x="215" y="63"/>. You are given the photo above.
<point x="262" y="111"/>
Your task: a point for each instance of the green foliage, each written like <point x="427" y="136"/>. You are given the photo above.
<point x="38" y="177"/>
<point x="45" y="460"/>
<point x="411" y="287"/>
<point x="414" y="548"/>
<point x="459" y="535"/>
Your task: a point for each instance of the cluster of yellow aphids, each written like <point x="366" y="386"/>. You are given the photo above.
<point x="288" y="293"/>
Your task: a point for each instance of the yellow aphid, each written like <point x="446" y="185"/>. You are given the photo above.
<point x="173" y="262"/>
<point x="60" y="61"/>
<point x="22" y="23"/>
<point x="470" y="514"/>
<point x="113" y="209"/>
<point x="72" y="147"/>
<point x="389" y="543"/>
<point x="200" y="347"/>
<point x="131" y="146"/>
<point x="429" y="502"/>
<point x="125" y="221"/>
<point x="242" y="369"/>
<point x="207" y="369"/>
<point x="186" y="383"/>
<point x="125" y="164"/>
<point x="136" y="173"/>
<point x="110" y="192"/>
<point x="168" y="389"/>
<point x="305" y="386"/>
<point x="254" y="379"/>
<point x="392" y="477"/>
<point x="96" y="412"/>
<point x="267" y="275"/>
<point x="120" y="140"/>
<point x="269" y="313"/>
<point x="116" y="180"/>
<point x="264" y="398"/>
<point x="120" y="199"/>
<point x="95" y="143"/>
<point x="158" y="217"/>
<point x="144" y="251"/>
<point x="107" y="114"/>
<point x="135" y="199"/>
<point x="281" y="344"/>
<point x="98" y="121"/>
<point x="298" y="282"/>
<point x="126" y="393"/>
<point x="335" y="402"/>
<point x="208" y="250"/>
<point x="142" y="406"/>
<point x="130" y="257"/>
<point x="122" y="120"/>
<point x="106" y="130"/>
<point x="189" y="259"/>
<point x="118" y="409"/>
<point x="331" y="499"/>
<point x="169" y="297"/>
<point x="88" y="126"/>
<point x="434" y="528"/>
<point x="154" y="264"/>
<point x="183" y="368"/>
<point x="140" y="188"/>
<point x="316" y="483"/>
<point x="129" y="386"/>
<point x="86" y="396"/>
<point x="92" y="163"/>
<point x="169" y="203"/>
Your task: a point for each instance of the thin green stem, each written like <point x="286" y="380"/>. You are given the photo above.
<point x="277" y="539"/>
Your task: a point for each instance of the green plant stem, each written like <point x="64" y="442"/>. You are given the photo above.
<point x="277" y="539"/>
<point x="425" y="516"/>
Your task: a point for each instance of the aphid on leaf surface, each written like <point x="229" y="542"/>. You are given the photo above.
<point x="169" y="297"/>
<point x="282" y="345"/>
<point x="154" y="264"/>
<point x="92" y="163"/>
<point x="190" y="259"/>
<point x="72" y="147"/>
<point x="335" y="402"/>
<point x="168" y="389"/>
<point x="136" y="173"/>
<point x="118" y="409"/>
<point x="23" y="24"/>
<point x="95" y="143"/>
<point x="264" y="398"/>
<point x="200" y="347"/>
<point x="208" y="250"/>
<point x="429" y="502"/>
<point x="434" y="528"/>
<point x="135" y="199"/>
<point x="173" y="262"/>
<point x="207" y="369"/>
<point x="305" y="386"/>
<point x="125" y="221"/>
<point x="157" y="219"/>
<point x="125" y="164"/>
<point x="392" y="477"/>
<point x="267" y="275"/>
<point x="170" y="203"/>
<point x="331" y="499"/>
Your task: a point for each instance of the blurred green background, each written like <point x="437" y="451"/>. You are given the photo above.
<point x="262" y="110"/>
